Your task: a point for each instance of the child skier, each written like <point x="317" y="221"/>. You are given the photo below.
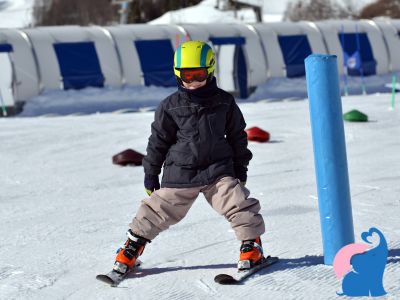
<point x="198" y="138"/>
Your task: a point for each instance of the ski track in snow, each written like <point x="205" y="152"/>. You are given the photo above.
<point x="65" y="208"/>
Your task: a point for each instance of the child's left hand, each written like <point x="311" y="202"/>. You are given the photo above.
<point x="151" y="183"/>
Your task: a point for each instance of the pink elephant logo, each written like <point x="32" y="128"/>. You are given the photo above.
<point x="362" y="266"/>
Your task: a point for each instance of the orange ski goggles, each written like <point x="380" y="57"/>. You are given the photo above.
<point x="197" y="74"/>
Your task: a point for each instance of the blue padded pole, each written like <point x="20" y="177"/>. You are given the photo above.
<point x="329" y="154"/>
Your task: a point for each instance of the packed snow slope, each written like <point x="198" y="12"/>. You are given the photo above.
<point x="64" y="207"/>
<point x="138" y="98"/>
<point x="206" y="11"/>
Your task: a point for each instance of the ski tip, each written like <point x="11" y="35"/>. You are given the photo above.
<point x="224" y="279"/>
<point x="243" y="274"/>
<point x="105" y="279"/>
<point x="113" y="278"/>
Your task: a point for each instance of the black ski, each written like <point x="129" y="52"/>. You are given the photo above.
<point x="114" y="278"/>
<point x="239" y="276"/>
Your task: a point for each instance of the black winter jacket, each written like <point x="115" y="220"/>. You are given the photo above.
<point x="197" y="142"/>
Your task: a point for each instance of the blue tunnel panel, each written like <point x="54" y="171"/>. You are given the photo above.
<point x="295" y="49"/>
<point x="79" y="65"/>
<point x="157" y="62"/>
<point x="357" y="46"/>
<point x="241" y="72"/>
<point x="228" y="40"/>
<point x="6" y="48"/>
<point x="239" y="61"/>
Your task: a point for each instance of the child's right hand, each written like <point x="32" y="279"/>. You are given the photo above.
<point x="151" y="183"/>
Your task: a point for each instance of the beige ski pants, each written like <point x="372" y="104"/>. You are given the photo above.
<point x="167" y="206"/>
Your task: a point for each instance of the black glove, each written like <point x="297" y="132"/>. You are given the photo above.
<point x="241" y="173"/>
<point x="151" y="183"/>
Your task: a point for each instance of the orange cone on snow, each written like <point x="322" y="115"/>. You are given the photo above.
<point x="257" y="134"/>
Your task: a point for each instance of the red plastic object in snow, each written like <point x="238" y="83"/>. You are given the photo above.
<point x="128" y="157"/>
<point x="257" y="134"/>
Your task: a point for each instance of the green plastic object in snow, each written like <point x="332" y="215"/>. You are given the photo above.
<point x="355" y="116"/>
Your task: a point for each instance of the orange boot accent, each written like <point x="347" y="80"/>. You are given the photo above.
<point x="126" y="258"/>
<point x="251" y="253"/>
<point x="128" y="254"/>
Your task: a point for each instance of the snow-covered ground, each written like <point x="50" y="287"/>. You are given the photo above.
<point x="273" y="11"/>
<point x="139" y="98"/>
<point x="196" y="14"/>
<point x="64" y="207"/>
<point x="95" y="100"/>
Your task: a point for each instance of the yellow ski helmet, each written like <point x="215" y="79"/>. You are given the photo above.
<point x="194" y="54"/>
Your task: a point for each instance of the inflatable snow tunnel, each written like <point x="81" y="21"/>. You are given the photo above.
<point x="18" y="76"/>
<point x="391" y="34"/>
<point x="147" y="52"/>
<point x="74" y="57"/>
<point x="359" y="44"/>
<point x="240" y="60"/>
<point x="287" y="44"/>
